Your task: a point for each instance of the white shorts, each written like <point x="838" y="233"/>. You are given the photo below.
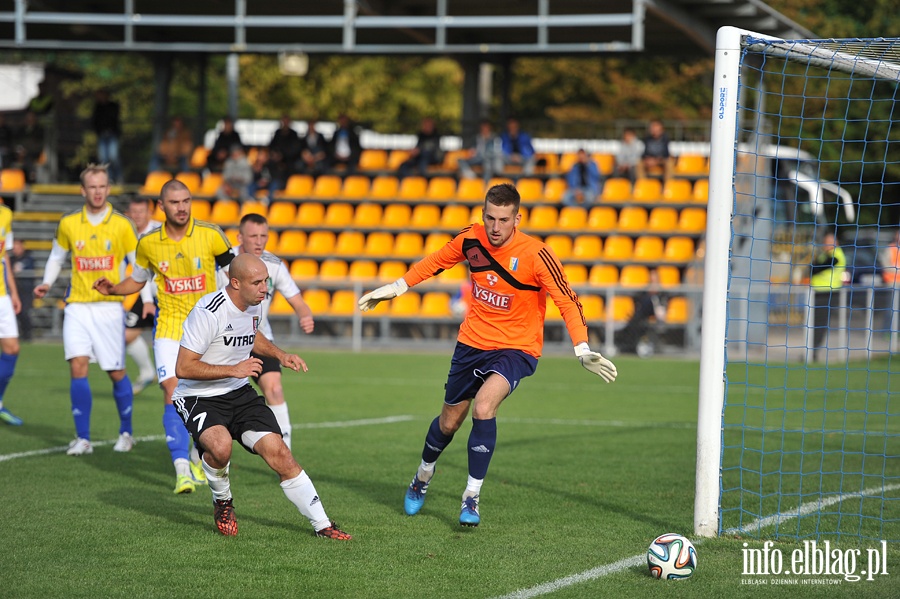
<point x="165" y="352"/>
<point x="95" y="330"/>
<point x="9" y="328"/>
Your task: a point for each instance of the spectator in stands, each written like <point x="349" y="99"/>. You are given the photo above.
<point x="221" y="150"/>
<point x="23" y="270"/>
<point x="7" y="143"/>
<point x="826" y="278"/>
<point x="427" y="151"/>
<point x="583" y="182"/>
<point x="29" y="147"/>
<point x="314" y="153"/>
<point x="286" y="146"/>
<point x="237" y="175"/>
<point x="891" y="275"/>
<point x="345" y="147"/>
<point x="107" y="126"/>
<point x="628" y="159"/>
<point x="656" y="157"/>
<point x="174" y="150"/>
<point x="487" y="153"/>
<point x="265" y="171"/>
<point x="517" y="148"/>
<point x="44" y="102"/>
<point x="651" y="303"/>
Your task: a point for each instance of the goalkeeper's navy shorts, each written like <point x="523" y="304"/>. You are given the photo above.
<point x="240" y="411"/>
<point x="470" y="367"/>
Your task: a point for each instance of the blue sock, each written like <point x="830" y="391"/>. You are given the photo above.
<point x="124" y="400"/>
<point x="435" y="441"/>
<point x="7" y="367"/>
<point x="177" y="437"/>
<point x="482" y="441"/>
<point x="80" y="394"/>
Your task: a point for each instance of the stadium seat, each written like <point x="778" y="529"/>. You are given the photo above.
<point x="210" y="186"/>
<point x="455" y="274"/>
<point x="252" y="154"/>
<point x="391" y="270"/>
<point x="542" y="218"/>
<point x="379" y="243"/>
<point x="605" y="162"/>
<point x="272" y="241"/>
<point x="320" y="243"/>
<point x="396" y="158"/>
<point x="663" y="220"/>
<point x="435" y="304"/>
<point x="587" y="247"/>
<point x="497" y="181"/>
<point x="413" y="188"/>
<point x="688" y="165"/>
<point x="647" y="190"/>
<point x="333" y="269"/>
<point x="407" y="304"/>
<point x="451" y="159"/>
<point x="547" y="163"/>
<point x="251" y="207"/>
<point x="384" y="187"/>
<point x="152" y="184"/>
<point x="554" y="190"/>
<point x="561" y="245"/>
<point x="349" y="243"/>
<point x="408" y="245"/>
<point x="566" y="161"/>
<point x="701" y="190"/>
<point x="632" y="218"/>
<point x="616" y="189"/>
<point x="326" y="187"/>
<point x="530" y="189"/>
<point x="677" y="310"/>
<point x="396" y="216"/>
<point x="343" y="303"/>
<point x="425" y="216"/>
<point x="367" y="215"/>
<point x="13" y="180"/>
<point x="160" y="216"/>
<point x="362" y="270"/>
<point x="231" y="234"/>
<point x="355" y="187"/>
<point x="201" y="209"/>
<point x="668" y="275"/>
<point x="679" y="249"/>
<point x="310" y="214"/>
<point x="199" y="157"/>
<point x="454" y="217"/>
<point x="692" y="220"/>
<point x="282" y="214"/>
<point x="280" y="306"/>
<point x="441" y="189"/>
<point x="338" y="215"/>
<point x="577" y="274"/>
<point x="618" y="248"/>
<point x="291" y="242"/>
<point x="523" y="212"/>
<point x="470" y="190"/>
<point x="602" y="218"/>
<point x="477" y="216"/>
<point x="677" y="190"/>
<point x="303" y="269"/>
<point x="297" y="187"/>
<point x="623" y="308"/>
<point x="648" y="248"/>
<point x="603" y="275"/>
<point x="318" y="300"/>
<point x="225" y="212"/>
<point x="592" y="307"/>
<point x="373" y="160"/>
<point x="634" y="275"/>
<point x="191" y="180"/>
<point x="551" y="312"/>
<point x="435" y="241"/>
<point x="572" y="218"/>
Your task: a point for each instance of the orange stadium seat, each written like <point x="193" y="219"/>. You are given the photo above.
<point x="618" y="248"/>
<point x="384" y="187"/>
<point x="470" y="190"/>
<point x="407" y="304"/>
<point x="677" y="190"/>
<point x="547" y="163"/>
<point x="318" y="300"/>
<point x="530" y="190"/>
<point x="425" y="216"/>
<point x="413" y="188"/>
<point x="199" y="158"/>
<point x="303" y="269"/>
<point x="343" y="303"/>
<point x="454" y="217"/>
<point x="338" y="214"/>
<point x="691" y="165"/>
<point x="297" y="187"/>
<point x="379" y="243"/>
<point x="561" y="245"/>
<point x="647" y="190"/>
<point x="435" y="304"/>
<point x="280" y="306"/>
<point x="497" y="181"/>
<point x="12" y="180"/>
<point x="291" y="242"/>
<point x="616" y="189"/>
<point x="523" y="222"/>
<point x="367" y="215"/>
<point x="349" y="243"/>
<point x="577" y="274"/>
<point x="327" y="186"/>
<point x="602" y="218"/>
<point x="572" y="218"/>
<point x="441" y="189"/>
<point x="542" y="218"/>
<point x="333" y="269"/>
<point x="310" y="214"/>
<point x="373" y="160"/>
<point x="408" y="245"/>
<point x="210" y="186"/>
<point x="677" y="311"/>
<point x="201" y="209"/>
<point x="567" y="160"/>
<point x="362" y="270"/>
<point x="396" y="158"/>
<point x="668" y="275"/>
<point x="648" y="248"/>
<point x="701" y="190"/>
<point x="622" y="308"/>
<point x="692" y="220"/>
<point x="592" y="307"/>
<point x="225" y="212"/>
<point x="477" y="216"/>
<point x="451" y="159"/>
<point x="272" y="241"/>
<point x="251" y="207"/>
<point x="320" y="243"/>
<point x="282" y="214"/>
<point x="587" y="247"/>
<point x="391" y="270"/>
<point x="396" y="216"/>
<point x="603" y="275"/>
<point x="554" y="190"/>
<point x="435" y="241"/>
<point x="634" y="275"/>
<point x="455" y="274"/>
<point x="232" y="235"/>
<point x="605" y="163"/>
<point x="355" y="187"/>
<point x="551" y="312"/>
<point x="191" y="181"/>
<point x="663" y="220"/>
<point x="679" y="249"/>
<point x="159" y="215"/>
<point x="632" y="218"/>
<point x="152" y="184"/>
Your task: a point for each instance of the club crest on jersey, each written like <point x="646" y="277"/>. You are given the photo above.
<point x="164" y="266"/>
<point x="108" y="245"/>
<point x="79" y="245"/>
<point x="198" y="264"/>
<point x="492" y="279"/>
<point x="513" y="264"/>
<point x="255" y="324"/>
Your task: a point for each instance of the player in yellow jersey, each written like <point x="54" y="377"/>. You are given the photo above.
<point x="182" y="256"/>
<point x="9" y="307"/>
<point x="99" y="240"/>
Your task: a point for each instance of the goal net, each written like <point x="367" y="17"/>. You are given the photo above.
<point x="803" y="439"/>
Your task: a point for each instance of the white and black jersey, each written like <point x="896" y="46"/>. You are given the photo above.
<point x="223" y="336"/>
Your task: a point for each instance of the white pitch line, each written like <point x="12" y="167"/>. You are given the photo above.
<point x="308" y="425"/>
<point x="636" y="560"/>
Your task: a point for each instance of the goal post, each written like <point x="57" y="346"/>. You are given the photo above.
<point x="798" y="428"/>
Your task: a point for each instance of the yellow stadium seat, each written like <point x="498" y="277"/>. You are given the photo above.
<point x="454" y="217"/>
<point x="425" y="216"/>
<point x="201" y="209"/>
<point x="396" y="158"/>
<point x="297" y="187"/>
<point x="497" y="181"/>
<point x="602" y="218"/>
<point x="632" y="218"/>
<point x="455" y="274"/>
<point x="152" y="184"/>
<point x="550" y="163"/>
<point x="407" y="304"/>
<point x="232" y="236"/>
<point x="333" y="269"/>
<point x="225" y="212"/>
<point x="477" y="215"/>
<point x="355" y="187"/>
<point x="272" y="241"/>
<point x="692" y="220"/>
<point x="587" y="247"/>
<point x="647" y="190"/>
<point x="677" y="190"/>
<point x="413" y="188"/>
<point x="408" y="245"/>
<point x="303" y="269"/>
<point x="523" y="212"/>
<point x="679" y="249"/>
<point x="677" y="310"/>
<point x="13" y="180"/>
<point x="282" y="214"/>
<point x="603" y="274"/>
<point x="384" y="187"/>
<point x="320" y="243"/>
<point x="251" y="207"/>
<point x="605" y="163"/>
<point x="634" y="275"/>
<point x="343" y="303"/>
<point x="572" y="218"/>
<point x="623" y="308"/>
<point x="349" y="243"/>
<point x="530" y="190"/>
<point x="396" y="216"/>
<point x="160" y="216"/>
<point x="701" y="190"/>
<point x="441" y="189"/>
<point x="618" y="247"/>
<point x="663" y="220"/>
<point x="435" y="304"/>
<point x="367" y="216"/>
<point x="691" y="164"/>
<point x="338" y="214"/>
<point x="362" y="270"/>
<point x="451" y="159"/>
<point x="373" y="160"/>
<point x="561" y="245"/>
<point x="379" y="243"/>
<point x="554" y="190"/>
<point x="391" y="270"/>
<point x="567" y="160"/>
<point x="280" y="306"/>
<point x="210" y="186"/>
<point x="577" y="274"/>
<point x="542" y="218"/>
<point x="318" y="300"/>
<point x="327" y="186"/>
<point x="310" y="214"/>
<point x="191" y="180"/>
<point x="648" y="249"/>
<point x="199" y="157"/>
<point x="470" y="190"/>
<point x="668" y="275"/>
<point x="616" y="189"/>
<point x="291" y="242"/>
<point x="552" y="313"/>
<point x="435" y="241"/>
<point x="252" y="154"/>
<point x="592" y="307"/>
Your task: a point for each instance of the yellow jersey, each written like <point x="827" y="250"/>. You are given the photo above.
<point x="97" y="251"/>
<point x="184" y="271"/>
<point x="5" y="230"/>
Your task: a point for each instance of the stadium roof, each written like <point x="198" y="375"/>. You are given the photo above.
<point x="660" y="27"/>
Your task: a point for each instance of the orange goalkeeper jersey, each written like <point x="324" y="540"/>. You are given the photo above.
<point x="509" y="290"/>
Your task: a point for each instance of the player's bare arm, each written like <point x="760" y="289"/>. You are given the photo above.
<point x="263" y="347"/>
<point x="190" y="366"/>
<point x="11" y="287"/>
<point x="304" y="314"/>
<point x="126" y="287"/>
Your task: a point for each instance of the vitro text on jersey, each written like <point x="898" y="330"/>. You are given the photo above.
<point x="239" y="341"/>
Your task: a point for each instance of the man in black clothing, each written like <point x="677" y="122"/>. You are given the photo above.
<point x="427" y="151"/>
<point x="221" y="150"/>
<point x="106" y="124"/>
<point x="650" y="303"/>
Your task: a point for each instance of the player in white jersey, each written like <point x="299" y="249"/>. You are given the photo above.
<point x="253" y="235"/>
<point x="218" y="405"/>
<point x="142" y="312"/>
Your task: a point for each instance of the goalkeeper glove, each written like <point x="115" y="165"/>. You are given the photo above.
<point x="596" y="363"/>
<point x="371" y="299"/>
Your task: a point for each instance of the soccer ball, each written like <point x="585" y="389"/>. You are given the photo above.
<point x="671" y="557"/>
